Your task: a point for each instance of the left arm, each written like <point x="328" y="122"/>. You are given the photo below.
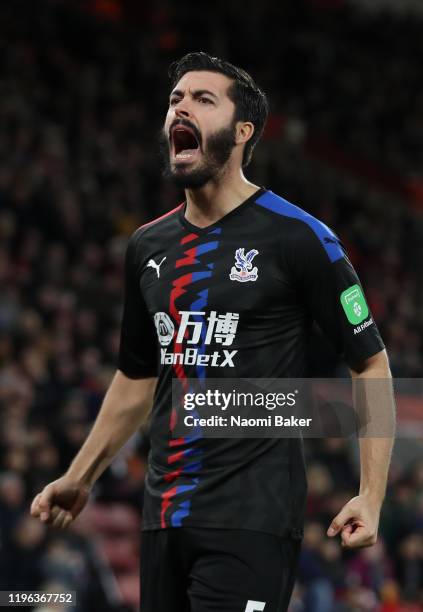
<point x="359" y="519"/>
<point x="328" y="286"/>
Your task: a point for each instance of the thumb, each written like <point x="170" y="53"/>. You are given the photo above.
<point x="339" y="521"/>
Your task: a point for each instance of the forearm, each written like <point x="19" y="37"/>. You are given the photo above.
<point x="125" y="407"/>
<point x="375" y="406"/>
<point x="375" y="456"/>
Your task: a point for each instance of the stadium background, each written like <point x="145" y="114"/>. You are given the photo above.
<point x="83" y="92"/>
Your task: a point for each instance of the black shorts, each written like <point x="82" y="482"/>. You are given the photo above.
<point x="190" y="569"/>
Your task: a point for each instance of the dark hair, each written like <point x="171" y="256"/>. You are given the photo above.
<point x="250" y="102"/>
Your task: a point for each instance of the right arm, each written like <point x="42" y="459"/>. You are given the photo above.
<point x="125" y="408"/>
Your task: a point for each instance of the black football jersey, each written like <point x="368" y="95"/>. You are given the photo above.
<point x="236" y="299"/>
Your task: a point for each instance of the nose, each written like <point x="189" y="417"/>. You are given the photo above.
<point x="182" y="111"/>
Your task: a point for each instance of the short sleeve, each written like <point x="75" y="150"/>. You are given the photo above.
<point x="138" y="339"/>
<point x="332" y="293"/>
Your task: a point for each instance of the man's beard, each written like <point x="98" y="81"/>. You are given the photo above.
<point x="217" y="151"/>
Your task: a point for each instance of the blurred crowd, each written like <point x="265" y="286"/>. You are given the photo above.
<point x="82" y="100"/>
<point x="386" y="577"/>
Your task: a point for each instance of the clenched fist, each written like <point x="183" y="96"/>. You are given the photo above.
<point x="357" y="522"/>
<point x="60" y="502"/>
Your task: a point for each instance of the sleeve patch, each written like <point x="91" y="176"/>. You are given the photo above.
<point x="354" y="304"/>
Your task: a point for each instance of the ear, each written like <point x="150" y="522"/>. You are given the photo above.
<point x="243" y="131"/>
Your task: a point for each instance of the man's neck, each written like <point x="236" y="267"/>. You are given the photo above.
<point x="207" y="205"/>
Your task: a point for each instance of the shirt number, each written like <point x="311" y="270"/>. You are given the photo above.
<point x="255" y="606"/>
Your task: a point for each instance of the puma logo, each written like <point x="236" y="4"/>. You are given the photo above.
<point x="333" y="240"/>
<point x="153" y="264"/>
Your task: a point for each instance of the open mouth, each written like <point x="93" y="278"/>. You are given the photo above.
<point x="185" y="143"/>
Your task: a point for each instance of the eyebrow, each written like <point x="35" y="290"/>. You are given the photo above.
<point x="196" y="93"/>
